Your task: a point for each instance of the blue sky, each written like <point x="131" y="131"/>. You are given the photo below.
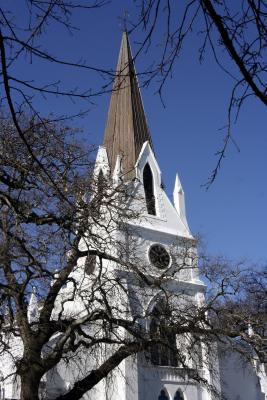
<point x="232" y="215"/>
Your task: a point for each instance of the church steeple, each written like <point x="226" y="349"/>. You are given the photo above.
<point x="126" y="127"/>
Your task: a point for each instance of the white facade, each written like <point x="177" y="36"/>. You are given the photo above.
<point x="136" y="378"/>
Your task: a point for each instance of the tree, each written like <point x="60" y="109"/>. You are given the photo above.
<point x="45" y="215"/>
<point x="58" y="217"/>
<point x="21" y="41"/>
<point x="237" y="30"/>
<point x="241" y="30"/>
<point x="53" y="220"/>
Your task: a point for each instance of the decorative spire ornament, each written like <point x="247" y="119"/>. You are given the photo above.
<point x="33" y="311"/>
<point x="179" y="200"/>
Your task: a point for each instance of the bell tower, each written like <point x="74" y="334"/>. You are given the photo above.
<point x="162" y="242"/>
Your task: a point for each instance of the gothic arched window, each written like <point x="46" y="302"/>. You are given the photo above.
<point x="164" y="352"/>
<point x="101" y="182"/>
<point x="149" y="190"/>
<point x="179" y="395"/>
<point x="90" y="264"/>
<point x="100" y="190"/>
<point x="163" y="395"/>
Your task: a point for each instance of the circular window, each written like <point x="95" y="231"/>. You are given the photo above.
<point x="159" y="256"/>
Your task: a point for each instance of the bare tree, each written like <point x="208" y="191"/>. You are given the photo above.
<point x="45" y="216"/>
<point x="22" y="43"/>
<point x="238" y="30"/>
<point x="72" y="236"/>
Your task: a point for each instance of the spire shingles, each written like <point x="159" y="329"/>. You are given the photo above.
<point x="126" y="128"/>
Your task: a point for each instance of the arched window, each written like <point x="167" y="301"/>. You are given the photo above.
<point x="101" y="182"/>
<point x="99" y="193"/>
<point x="179" y="395"/>
<point x="163" y="395"/>
<point x="90" y="264"/>
<point x="163" y="352"/>
<point x="149" y="190"/>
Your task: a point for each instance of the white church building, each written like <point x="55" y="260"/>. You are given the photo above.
<point x="127" y="154"/>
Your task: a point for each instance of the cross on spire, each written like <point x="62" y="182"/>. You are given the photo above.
<point x="124" y="20"/>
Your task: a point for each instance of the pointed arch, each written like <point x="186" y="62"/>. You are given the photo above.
<point x="100" y="180"/>
<point x="162" y="352"/>
<point x="90" y="264"/>
<point x="100" y="186"/>
<point x="149" y="190"/>
<point x="163" y="395"/>
<point x="179" y="395"/>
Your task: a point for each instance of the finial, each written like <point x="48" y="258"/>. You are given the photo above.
<point x="179" y="200"/>
<point x="124" y="20"/>
<point x="250" y="330"/>
<point x="33" y="309"/>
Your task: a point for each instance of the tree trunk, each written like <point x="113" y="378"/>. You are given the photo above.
<point x="30" y="383"/>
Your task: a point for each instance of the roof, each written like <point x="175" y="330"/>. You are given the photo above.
<point x="126" y="127"/>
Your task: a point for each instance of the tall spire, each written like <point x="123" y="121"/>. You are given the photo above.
<point x="126" y="128"/>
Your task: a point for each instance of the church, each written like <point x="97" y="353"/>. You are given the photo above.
<point x="159" y="241"/>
